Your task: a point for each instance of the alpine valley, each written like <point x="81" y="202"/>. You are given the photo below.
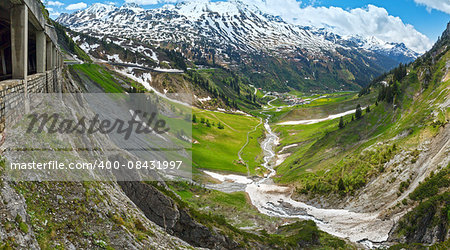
<point x="299" y="137"/>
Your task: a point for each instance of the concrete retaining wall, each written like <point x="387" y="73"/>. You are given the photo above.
<point x="12" y="95"/>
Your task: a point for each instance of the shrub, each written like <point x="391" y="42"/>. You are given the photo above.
<point x="341" y="123"/>
<point x="431" y="185"/>
<point x="358" y="113"/>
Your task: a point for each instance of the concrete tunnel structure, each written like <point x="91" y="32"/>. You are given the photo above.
<point x="30" y="58"/>
<point x="28" y="43"/>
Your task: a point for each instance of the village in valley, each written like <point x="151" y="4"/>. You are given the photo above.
<point x="289" y="98"/>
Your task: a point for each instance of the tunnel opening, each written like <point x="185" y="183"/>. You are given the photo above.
<point x="31" y="49"/>
<point x="5" y="43"/>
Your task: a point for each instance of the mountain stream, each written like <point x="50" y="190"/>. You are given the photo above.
<point x="275" y="200"/>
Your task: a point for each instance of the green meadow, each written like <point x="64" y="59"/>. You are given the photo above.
<point x="109" y="81"/>
<point x="327" y="105"/>
<point x="217" y="149"/>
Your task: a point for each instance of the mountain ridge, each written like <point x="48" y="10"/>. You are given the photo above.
<point x="196" y="10"/>
<point x="241" y="37"/>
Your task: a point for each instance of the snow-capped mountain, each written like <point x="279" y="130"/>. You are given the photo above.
<point x="264" y="48"/>
<point x="220" y="25"/>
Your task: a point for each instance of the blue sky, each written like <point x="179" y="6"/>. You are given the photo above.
<point x="408" y="19"/>
<point x="430" y="22"/>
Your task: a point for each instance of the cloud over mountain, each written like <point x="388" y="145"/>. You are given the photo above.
<point x="369" y="21"/>
<point x="76" y="6"/>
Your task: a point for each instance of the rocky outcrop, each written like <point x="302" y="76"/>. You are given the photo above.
<point x="426" y="224"/>
<point x="14" y="220"/>
<point x="74" y="214"/>
<point x="164" y="211"/>
<point x="447" y="31"/>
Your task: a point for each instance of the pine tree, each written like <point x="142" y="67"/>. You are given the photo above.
<point x="358" y="113"/>
<point x="389" y="95"/>
<point x="341" y="185"/>
<point x="395" y="89"/>
<point x="368" y="109"/>
<point x="194" y="118"/>
<point x="382" y="93"/>
<point x="341" y="123"/>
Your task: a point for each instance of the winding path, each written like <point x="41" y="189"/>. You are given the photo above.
<point x="312" y="121"/>
<point x="245" y="145"/>
<point x="248" y="134"/>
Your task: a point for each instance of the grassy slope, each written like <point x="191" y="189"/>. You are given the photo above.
<point x="331" y="104"/>
<point x="108" y="80"/>
<point x="217" y="149"/>
<point x="431" y="199"/>
<point x="327" y="154"/>
<point x="226" y="142"/>
<point x="68" y="45"/>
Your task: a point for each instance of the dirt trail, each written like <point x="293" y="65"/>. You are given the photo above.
<point x="245" y="145"/>
<point x="224" y="123"/>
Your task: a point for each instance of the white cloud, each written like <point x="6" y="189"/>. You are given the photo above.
<point x="149" y="2"/>
<point x="76" y="6"/>
<point x="54" y="14"/>
<point x="287" y="9"/>
<point x="368" y="21"/>
<point x="442" y="5"/>
<point x="55" y="3"/>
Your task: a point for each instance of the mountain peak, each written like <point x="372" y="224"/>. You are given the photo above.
<point x="131" y="5"/>
<point x="231" y="24"/>
<point x="196" y="8"/>
<point x="446" y="32"/>
<point x="100" y="7"/>
<point x="99" y="10"/>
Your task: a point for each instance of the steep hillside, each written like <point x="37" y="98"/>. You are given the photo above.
<point x="374" y="160"/>
<point x="71" y="214"/>
<point x="69" y="46"/>
<point x="159" y="70"/>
